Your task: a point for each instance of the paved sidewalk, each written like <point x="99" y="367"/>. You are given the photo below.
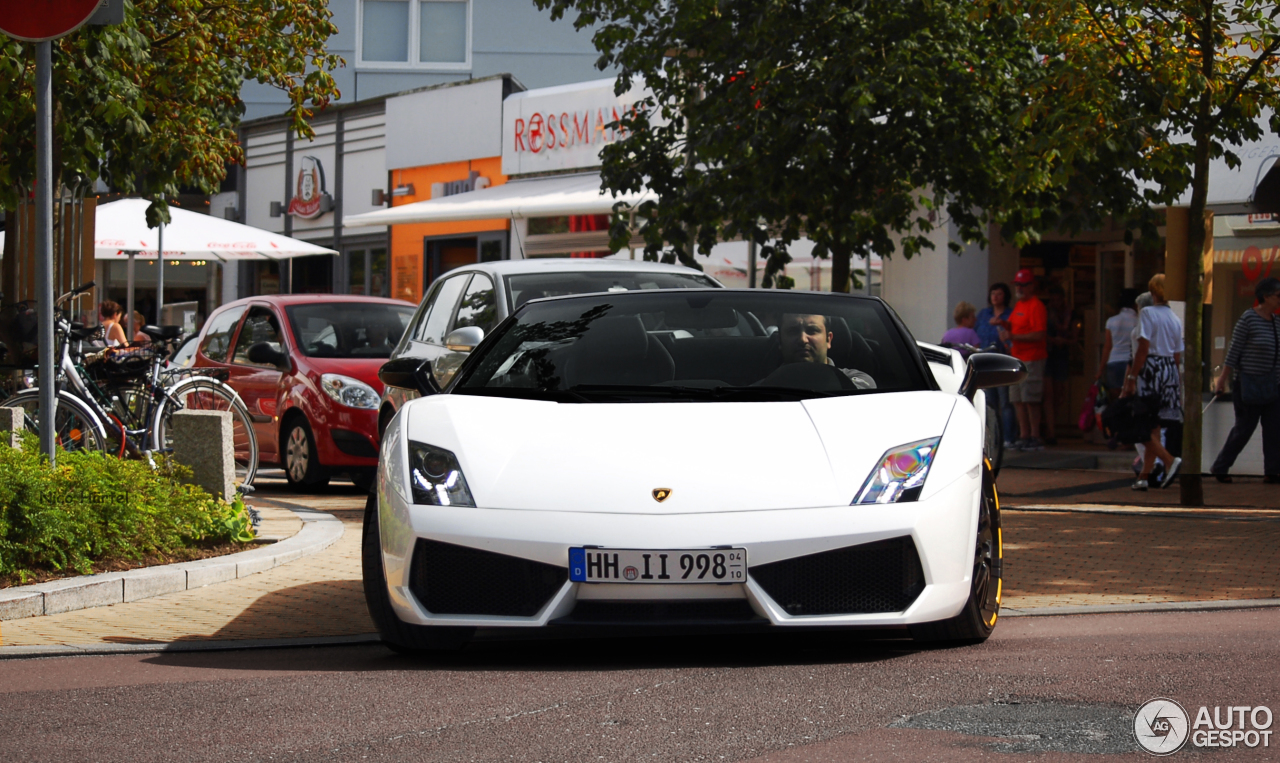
<point x="1019" y="486"/>
<point x="1054" y="558"/>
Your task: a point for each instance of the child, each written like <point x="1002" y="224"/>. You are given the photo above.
<point x="966" y="317"/>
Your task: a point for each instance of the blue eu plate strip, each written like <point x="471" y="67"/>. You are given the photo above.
<point x="577" y="565"/>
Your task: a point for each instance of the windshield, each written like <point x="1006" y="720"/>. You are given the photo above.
<point x="707" y="345"/>
<point x="348" y="329"/>
<point x="522" y="288"/>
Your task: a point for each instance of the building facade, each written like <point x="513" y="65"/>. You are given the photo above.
<point x="392" y="46"/>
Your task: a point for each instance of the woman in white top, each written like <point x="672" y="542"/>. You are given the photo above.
<point x="109" y="315"/>
<point x="1154" y="374"/>
<point x="1117" y="349"/>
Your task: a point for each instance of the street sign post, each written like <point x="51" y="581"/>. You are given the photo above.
<point x="41" y="21"/>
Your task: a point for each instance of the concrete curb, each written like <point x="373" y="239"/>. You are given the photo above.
<point x="73" y="650"/>
<point x="319" y="531"/>
<point x="1154" y="606"/>
<point x="1165" y="512"/>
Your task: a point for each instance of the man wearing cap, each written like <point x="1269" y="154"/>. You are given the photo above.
<point x="1025" y="333"/>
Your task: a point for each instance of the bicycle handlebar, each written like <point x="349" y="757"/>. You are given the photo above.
<point x="81" y="289"/>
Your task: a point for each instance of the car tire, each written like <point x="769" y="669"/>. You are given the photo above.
<point x="398" y="635"/>
<point x="993" y="448"/>
<point x="363" y="479"/>
<point x="302" y="466"/>
<point x="977" y="620"/>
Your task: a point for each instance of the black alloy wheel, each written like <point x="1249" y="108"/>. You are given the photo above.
<point x="977" y="619"/>
<point x="398" y="635"/>
<point x="302" y="467"/>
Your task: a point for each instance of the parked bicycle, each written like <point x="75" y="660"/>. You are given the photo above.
<point x="122" y="400"/>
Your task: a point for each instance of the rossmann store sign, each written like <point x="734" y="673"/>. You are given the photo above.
<point x="562" y="128"/>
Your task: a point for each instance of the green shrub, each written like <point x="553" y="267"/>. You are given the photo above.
<point x="93" y="506"/>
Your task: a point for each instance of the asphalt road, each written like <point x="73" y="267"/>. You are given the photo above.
<point x="1052" y="688"/>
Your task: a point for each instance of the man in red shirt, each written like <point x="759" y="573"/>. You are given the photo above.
<point x="1026" y="335"/>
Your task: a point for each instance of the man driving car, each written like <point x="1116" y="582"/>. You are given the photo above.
<point x="807" y="339"/>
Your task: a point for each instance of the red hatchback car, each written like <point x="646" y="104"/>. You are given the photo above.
<point x="306" y="367"/>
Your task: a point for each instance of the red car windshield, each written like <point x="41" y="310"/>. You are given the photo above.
<point x="348" y="329"/>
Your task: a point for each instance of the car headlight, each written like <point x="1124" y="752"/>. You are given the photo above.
<point x="352" y="393"/>
<point x="899" y="477"/>
<point x="436" y="478"/>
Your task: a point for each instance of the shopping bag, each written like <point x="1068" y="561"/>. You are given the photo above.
<point x="1087" y="411"/>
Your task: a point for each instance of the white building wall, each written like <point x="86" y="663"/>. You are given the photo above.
<point x="925" y="289"/>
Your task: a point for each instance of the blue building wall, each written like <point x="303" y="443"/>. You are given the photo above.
<point x="507" y="36"/>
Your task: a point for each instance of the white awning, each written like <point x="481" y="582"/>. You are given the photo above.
<point x="121" y="229"/>
<point x="536" y="197"/>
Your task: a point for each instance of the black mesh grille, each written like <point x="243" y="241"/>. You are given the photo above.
<point x="457" y="580"/>
<point x="695" y="611"/>
<point x="352" y="443"/>
<point x="884" y="576"/>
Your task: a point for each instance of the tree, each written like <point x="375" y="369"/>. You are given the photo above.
<point x="856" y="124"/>
<point x="151" y="105"/>
<point x="1207" y="72"/>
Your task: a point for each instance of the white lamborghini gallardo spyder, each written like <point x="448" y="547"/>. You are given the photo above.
<point x="687" y="458"/>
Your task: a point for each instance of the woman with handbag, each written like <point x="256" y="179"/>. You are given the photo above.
<point x="1154" y="376"/>
<point x="1254" y="356"/>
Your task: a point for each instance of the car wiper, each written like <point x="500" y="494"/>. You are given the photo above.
<point x="772" y="393"/>
<point x="664" y="391"/>
<point x="526" y="393"/>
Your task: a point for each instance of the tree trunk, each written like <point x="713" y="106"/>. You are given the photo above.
<point x="1191" y="485"/>
<point x="841" y="268"/>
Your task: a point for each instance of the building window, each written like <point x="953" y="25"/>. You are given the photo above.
<point x="415" y="34"/>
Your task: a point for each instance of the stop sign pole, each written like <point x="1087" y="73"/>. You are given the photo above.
<point x="44" y="244"/>
<point x="41" y="21"/>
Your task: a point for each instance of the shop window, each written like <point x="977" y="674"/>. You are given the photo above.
<point x="378" y="272"/>
<point x="355" y="272"/>
<point x="424" y="34"/>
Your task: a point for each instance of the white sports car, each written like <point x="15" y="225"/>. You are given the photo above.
<point x="687" y="458"/>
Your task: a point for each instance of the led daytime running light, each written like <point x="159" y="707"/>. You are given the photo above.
<point x="899" y="473"/>
<point x="436" y="478"/>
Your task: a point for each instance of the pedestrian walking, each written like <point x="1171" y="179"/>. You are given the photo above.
<point x="1025" y="332"/>
<point x="1117" y="345"/>
<point x="1061" y="335"/>
<point x="1153" y="375"/>
<point x="990" y="318"/>
<point x="1254" y="358"/>
<point x="965" y="317"/>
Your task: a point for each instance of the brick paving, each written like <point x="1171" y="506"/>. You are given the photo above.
<point x="1053" y="558"/>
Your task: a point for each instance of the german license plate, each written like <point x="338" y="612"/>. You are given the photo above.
<point x="628" y="565"/>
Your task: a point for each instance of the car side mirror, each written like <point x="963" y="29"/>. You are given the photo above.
<point x="264" y="354"/>
<point x="991" y="369"/>
<point x="464" y="339"/>
<point x="409" y="373"/>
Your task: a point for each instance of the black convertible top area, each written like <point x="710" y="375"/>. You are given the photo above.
<point x="696" y="344"/>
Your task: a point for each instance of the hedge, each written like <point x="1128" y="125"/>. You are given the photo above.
<point x="93" y="507"/>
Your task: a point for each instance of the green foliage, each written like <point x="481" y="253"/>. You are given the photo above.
<point x="151" y="105"/>
<point x="92" y="506"/>
<point x="1192" y="79"/>
<point x="859" y="125"/>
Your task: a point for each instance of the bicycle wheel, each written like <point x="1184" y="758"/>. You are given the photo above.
<point x="76" y="427"/>
<point x="204" y="394"/>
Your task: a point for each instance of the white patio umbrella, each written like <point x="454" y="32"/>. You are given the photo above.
<point x="120" y="231"/>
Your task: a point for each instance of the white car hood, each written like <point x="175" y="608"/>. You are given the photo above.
<point x="714" y="457"/>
